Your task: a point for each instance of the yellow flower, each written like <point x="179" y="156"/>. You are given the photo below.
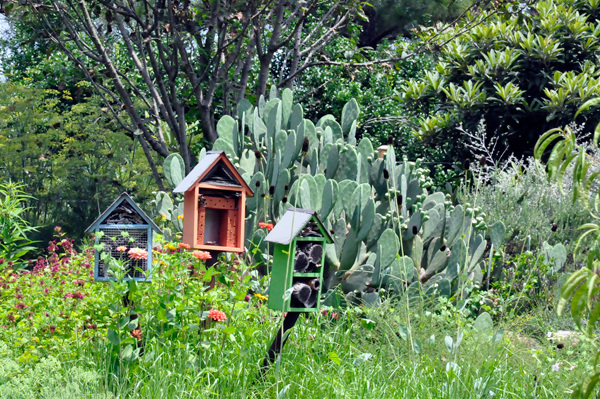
<point x="180" y="217"/>
<point x="163" y="217"/>
<point x="260" y="296"/>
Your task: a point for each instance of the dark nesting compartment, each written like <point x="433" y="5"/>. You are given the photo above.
<point x="306" y="292"/>
<point x="308" y="256"/>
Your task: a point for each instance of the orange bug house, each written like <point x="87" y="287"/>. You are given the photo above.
<point x="214" y="206"/>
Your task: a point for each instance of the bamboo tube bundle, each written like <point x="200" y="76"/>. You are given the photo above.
<point x="308" y="258"/>
<point x="306" y="293"/>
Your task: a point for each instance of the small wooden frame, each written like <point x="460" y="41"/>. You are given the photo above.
<point x="214" y="206"/>
<point x="297" y="232"/>
<point x="124" y="216"/>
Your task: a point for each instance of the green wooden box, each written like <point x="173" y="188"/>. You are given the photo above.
<point x="297" y="231"/>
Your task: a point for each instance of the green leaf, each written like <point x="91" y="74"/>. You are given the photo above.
<point x="449" y="343"/>
<point x="113" y="337"/>
<point x="544" y="141"/>
<point x="586" y="105"/>
<point x="403" y="331"/>
<point x="283" y="393"/>
<point x="288" y="294"/>
<point x="484" y="323"/>
<point x="334" y="358"/>
<point x="368" y="324"/>
<point x="127" y="353"/>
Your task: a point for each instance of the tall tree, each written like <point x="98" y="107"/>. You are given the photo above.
<point x="160" y="64"/>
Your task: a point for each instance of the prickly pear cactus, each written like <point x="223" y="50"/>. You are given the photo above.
<point x="391" y="234"/>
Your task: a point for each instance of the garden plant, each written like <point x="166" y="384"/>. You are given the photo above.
<point x="316" y="199"/>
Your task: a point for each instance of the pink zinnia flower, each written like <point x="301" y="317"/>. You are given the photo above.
<point x="138" y="254"/>
<point x="217" y="315"/>
<point x="185" y="246"/>
<point x="121" y="248"/>
<point x="202" y="255"/>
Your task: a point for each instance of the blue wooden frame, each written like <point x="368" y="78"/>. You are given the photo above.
<point x="150" y="226"/>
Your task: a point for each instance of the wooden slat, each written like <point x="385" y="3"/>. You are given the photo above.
<point x="190" y="220"/>
<point x="201" y="225"/>
<point x="228" y="231"/>
<point x="219" y="203"/>
<point x="215" y="187"/>
<point x="219" y="248"/>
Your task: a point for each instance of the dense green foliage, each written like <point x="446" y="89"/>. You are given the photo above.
<point x="521" y="74"/>
<point x="566" y="153"/>
<point x="376" y="89"/>
<point x="14" y="229"/>
<point x="74" y="161"/>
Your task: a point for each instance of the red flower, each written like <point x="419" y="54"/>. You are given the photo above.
<point x="11" y="317"/>
<point x="20" y="305"/>
<point x="268" y="226"/>
<point x="217" y="315"/>
<point x="334" y="316"/>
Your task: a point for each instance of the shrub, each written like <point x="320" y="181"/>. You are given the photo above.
<point x="523" y="71"/>
<point x="532" y="208"/>
<point x="14" y="244"/>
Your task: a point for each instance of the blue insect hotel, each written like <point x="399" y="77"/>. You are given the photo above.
<point x="124" y="224"/>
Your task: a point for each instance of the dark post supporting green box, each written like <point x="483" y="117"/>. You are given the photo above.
<point x="298" y="257"/>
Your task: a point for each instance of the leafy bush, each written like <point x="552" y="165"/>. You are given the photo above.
<point x="14" y="244"/>
<point x="523" y="72"/>
<point x="532" y="208"/>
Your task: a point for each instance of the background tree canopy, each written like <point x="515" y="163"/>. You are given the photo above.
<point x="170" y="68"/>
<point x="520" y="74"/>
<point x="73" y="162"/>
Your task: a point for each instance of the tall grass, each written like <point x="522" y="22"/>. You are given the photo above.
<point x="363" y="354"/>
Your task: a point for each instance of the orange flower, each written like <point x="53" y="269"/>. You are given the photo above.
<point x="268" y="226"/>
<point x="138" y="253"/>
<point x="137" y="334"/>
<point x="202" y="255"/>
<point x="217" y="315"/>
<point x="185" y="246"/>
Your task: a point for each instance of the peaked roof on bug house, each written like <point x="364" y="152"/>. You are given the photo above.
<point x="123" y="211"/>
<point x="292" y="223"/>
<point x="214" y="169"/>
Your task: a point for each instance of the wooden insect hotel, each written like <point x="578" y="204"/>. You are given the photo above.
<point x="124" y="226"/>
<point x="299" y="239"/>
<point x="214" y="205"/>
